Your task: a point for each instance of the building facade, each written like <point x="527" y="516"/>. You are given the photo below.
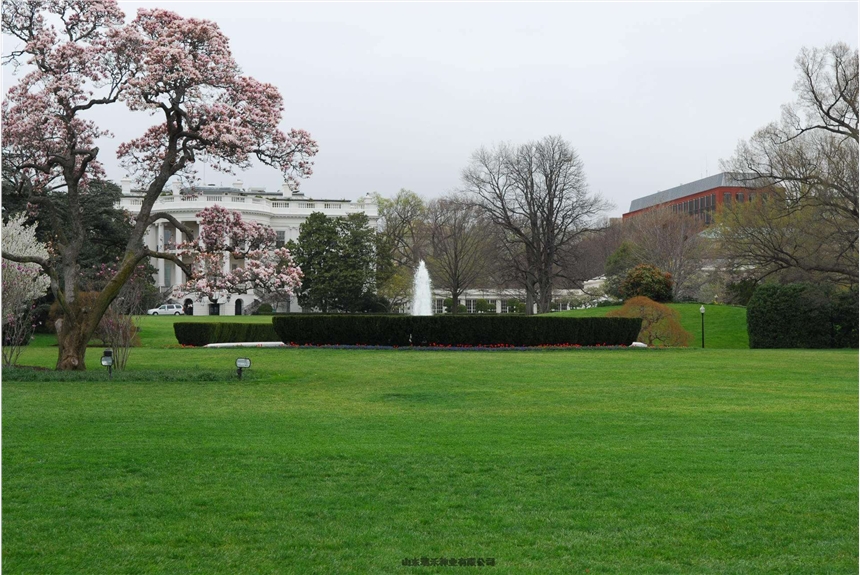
<point x="500" y="301"/>
<point x="283" y="211"/>
<point x="700" y="199"/>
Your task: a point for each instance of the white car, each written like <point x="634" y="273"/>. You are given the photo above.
<point x="167" y="309"/>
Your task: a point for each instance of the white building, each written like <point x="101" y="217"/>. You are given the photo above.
<point x="499" y="300"/>
<point x="283" y="211"/>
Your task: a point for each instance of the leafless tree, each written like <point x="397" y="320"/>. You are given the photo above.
<point x="671" y="241"/>
<point x="809" y="163"/>
<point x="459" y="245"/>
<point x="586" y="259"/>
<point x="400" y="219"/>
<point x="538" y="195"/>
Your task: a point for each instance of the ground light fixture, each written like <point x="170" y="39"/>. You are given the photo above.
<point x="242" y="363"/>
<point x="702" y="311"/>
<point x="107" y="361"/>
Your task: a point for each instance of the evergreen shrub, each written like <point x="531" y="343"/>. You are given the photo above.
<point x="649" y="281"/>
<point x="264" y="309"/>
<point x="802" y="316"/>
<point x="202" y="333"/>
<point x="466" y="330"/>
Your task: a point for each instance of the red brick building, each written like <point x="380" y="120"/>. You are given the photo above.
<point x="700" y="198"/>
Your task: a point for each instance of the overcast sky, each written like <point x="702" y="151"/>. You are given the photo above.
<point x="400" y="95"/>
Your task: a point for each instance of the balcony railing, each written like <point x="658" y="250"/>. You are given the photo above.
<point x="276" y="207"/>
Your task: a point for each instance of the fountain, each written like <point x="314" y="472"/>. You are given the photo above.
<point x="422" y="296"/>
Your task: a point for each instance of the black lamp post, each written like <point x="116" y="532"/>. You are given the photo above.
<point x="702" y="311"/>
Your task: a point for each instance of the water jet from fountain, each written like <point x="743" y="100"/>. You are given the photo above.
<point x="422" y="294"/>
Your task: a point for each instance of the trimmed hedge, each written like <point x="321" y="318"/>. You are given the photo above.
<point x="202" y="333"/>
<point x="801" y="316"/>
<point x="471" y="330"/>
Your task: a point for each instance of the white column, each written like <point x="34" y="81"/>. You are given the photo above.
<point x="159" y="246"/>
<point x="177" y="271"/>
<point x="498" y="306"/>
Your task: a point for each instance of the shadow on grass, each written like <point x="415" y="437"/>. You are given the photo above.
<point x="188" y="375"/>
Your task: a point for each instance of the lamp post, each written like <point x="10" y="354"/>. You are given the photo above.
<point x="107" y="361"/>
<point x="702" y="311"/>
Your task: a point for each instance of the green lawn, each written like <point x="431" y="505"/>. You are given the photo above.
<point x="725" y="325"/>
<point x="348" y="461"/>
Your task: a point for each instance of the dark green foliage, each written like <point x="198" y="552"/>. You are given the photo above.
<point x="337" y="257"/>
<point x="107" y="228"/>
<point x="647" y="280"/>
<point x="740" y="292"/>
<point x="196" y="334"/>
<point x="483" y="306"/>
<point x="617" y="265"/>
<point x="264" y="309"/>
<point x="844" y="315"/>
<point x="201" y="333"/>
<point x="608" y="303"/>
<point x="802" y="316"/>
<point x="486" y="330"/>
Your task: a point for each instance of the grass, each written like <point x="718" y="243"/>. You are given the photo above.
<point x="725" y="325"/>
<point x="335" y="461"/>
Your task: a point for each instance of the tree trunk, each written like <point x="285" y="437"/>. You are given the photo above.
<point x="545" y="293"/>
<point x="81" y="319"/>
<point x="72" y="340"/>
<point x="530" y="301"/>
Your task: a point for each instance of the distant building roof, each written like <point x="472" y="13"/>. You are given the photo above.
<point x="724" y="179"/>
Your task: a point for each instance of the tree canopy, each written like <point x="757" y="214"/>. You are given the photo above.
<point x="79" y="56"/>
<point x="337" y="259"/>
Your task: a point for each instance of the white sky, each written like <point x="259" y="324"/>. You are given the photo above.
<point x="398" y="95"/>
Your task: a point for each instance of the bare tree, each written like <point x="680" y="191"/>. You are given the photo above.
<point x="400" y="218"/>
<point x="586" y="259"/>
<point x="808" y="162"/>
<point x="537" y="193"/>
<point x="400" y="245"/>
<point x="672" y="242"/>
<point x="458" y="245"/>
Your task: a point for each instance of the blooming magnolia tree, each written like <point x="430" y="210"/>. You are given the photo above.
<point x="80" y="55"/>
<point x="267" y="272"/>
<point x="23" y="283"/>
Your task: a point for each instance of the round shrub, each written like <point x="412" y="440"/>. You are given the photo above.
<point x="648" y="281"/>
<point x="661" y="325"/>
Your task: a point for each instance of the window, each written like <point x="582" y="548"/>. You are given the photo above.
<point x="438" y="305"/>
<point x="739" y="197"/>
<point x="727" y="198"/>
<point x="492" y="305"/>
<point x="470" y="306"/>
<point x="707" y="203"/>
<point x="280" y="241"/>
<point x="696" y="205"/>
<point x="752" y="196"/>
<point x="713" y="202"/>
<point x="168" y="269"/>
